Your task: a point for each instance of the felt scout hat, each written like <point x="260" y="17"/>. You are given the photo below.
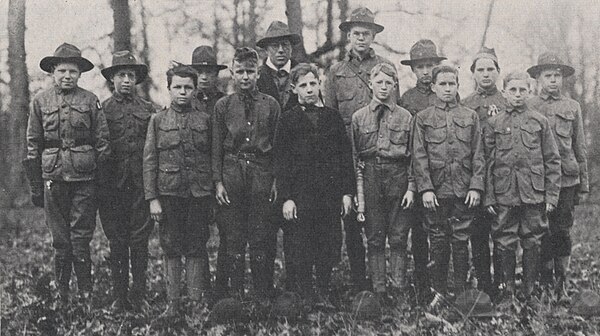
<point x="550" y="61"/>
<point x="278" y="30"/>
<point x="484" y="52"/>
<point x="474" y="303"/>
<point x="66" y="53"/>
<point x="361" y="16"/>
<point x="205" y="57"/>
<point x="586" y="303"/>
<point x="125" y="59"/>
<point x="365" y="306"/>
<point x="423" y="50"/>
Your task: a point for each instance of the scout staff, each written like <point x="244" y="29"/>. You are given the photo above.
<point x="523" y="181"/>
<point x="67" y="142"/>
<point x="486" y="100"/>
<point x="564" y="116"/>
<point x="123" y="210"/>
<point x="347" y="90"/>
<point x="243" y="131"/>
<point x="423" y="58"/>
<point x="313" y="162"/>
<point x="380" y="134"/>
<point x="177" y="182"/>
<point x="449" y="170"/>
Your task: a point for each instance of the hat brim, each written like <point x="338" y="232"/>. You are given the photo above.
<point x="346" y="26"/>
<point x="535" y="70"/>
<point x="141" y="71"/>
<point x="264" y="42"/>
<point x="47" y="63"/>
<point x="199" y="66"/>
<point x="413" y="61"/>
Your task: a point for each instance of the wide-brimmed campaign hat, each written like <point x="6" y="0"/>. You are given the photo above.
<point x="361" y="16"/>
<point x="423" y="50"/>
<point x="484" y="52"/>
<point x="278" y="30"/>
<point x="205" y="57"/>
<point x="125" y="59"/>
<point x="66" y="53"/>
<point x="474" y="303"/>
<point x="550" y="61"/>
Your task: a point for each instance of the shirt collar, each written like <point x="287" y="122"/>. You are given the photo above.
<point x="61" y="92"/>
<point x="423" y="88"/>
<point x="179" y="108"/>
<point x="352" y="55"/>
<point x="545" y="95"/>
<point x="287" y="67"/>
<point x="253" y="94"/>
<point x="120" y="97"/>
<point x="520" y="109"/>
<point x="488" y="92"/>
<point x="441" y="104"/>
<point x="376" y="102"/>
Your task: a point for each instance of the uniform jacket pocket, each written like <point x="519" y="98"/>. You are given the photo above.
<point x="564" y="123"/>
<point x="531" y="135"/>
<point x="399" y="134"/>
<point x="49" y="158"/>
<point x="169" y="177"/>
<point x="502" y="179"/>
<point x="463" y="131"/>
<point x="537" y="178"/>
<point x="80" y="116"/>
<point x="83" y="158"/>
<point x="50" y="117"/>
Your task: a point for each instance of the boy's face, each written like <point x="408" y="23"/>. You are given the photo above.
<point x="382" y="86"/>
<point x="516" y="92"/>
<point x="360" y="39"/>
<point x="244" y="75"/>
<point x="422" y="69"/>
<point x="307" y="88"/>
<point x="207" y="78"/>
<point x="182" y="90"/>
<point x="551" y="80"/>
<point x="485" y="73"/>
<point x="124" y="81"/>
<point x="66" y="75"/>
<point x="445" y="86"/>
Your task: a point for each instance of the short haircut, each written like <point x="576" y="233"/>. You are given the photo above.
<point x="474" y="63"/>
<point x="301" y="70"/>
<point x="245" y="55"/>
<point x="56" y="64"/>
<point x="440" y="69"/>
<point x="516" y="75"/>
<point x="184" y="71"/>
<point x="386" y="69"/>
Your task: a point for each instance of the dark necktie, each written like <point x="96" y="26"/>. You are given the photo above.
<point x="380" y="113"/>
<point x="248" y="105"/>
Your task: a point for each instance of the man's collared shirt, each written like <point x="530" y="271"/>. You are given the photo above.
<point x="447" y="150"/>
<point x="205" y="100"/>
<point x="524" y="164"/>
<point x="564" y="116"/>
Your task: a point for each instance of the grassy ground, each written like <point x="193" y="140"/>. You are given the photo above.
<point x="28" y="306"/>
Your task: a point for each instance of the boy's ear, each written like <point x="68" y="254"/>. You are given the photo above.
<point x="370" y="85"/>
<point x="293" y="87"/>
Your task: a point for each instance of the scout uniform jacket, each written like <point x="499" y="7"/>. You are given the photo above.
<point x="177" y="154"/>
<point x="564" y="117"/>
<point x="523" y="165"/>
<point x="481" y="100"/>
<point x="205" y="101"/>
<point x="69" y="132"/>
<point x="447" y="150"/>
<point x="418" y="98"/>
<point x="127" y="118"/>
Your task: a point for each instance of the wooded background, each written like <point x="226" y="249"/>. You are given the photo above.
<point x="165" y="30"/>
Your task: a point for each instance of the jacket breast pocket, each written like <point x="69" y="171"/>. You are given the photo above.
<point x="502" y="179"/>
<point x="169" y="177"/>
<point x="83" y="158"/>
<point x="503" y="137"/>
<point x="49" y="158"/>
<point x="50" y="117"/>
<point x="141" y="123"/>
<point x="346" y="85"/>
<point x="81" y="117"/>
<point x="435" y="134"/>
<point x="201" y="136"/>
<point x="399" y="134"/>
<point x="531" y="135"/>
<point x="367" y="137"/>
<point x="537" y="178"/>
<point x="168" y="136"/>
<point x="116" y="124"/>
<point x="464" y="129"/>
<point x="570" y="166"/>
<point x="564" y="127"/>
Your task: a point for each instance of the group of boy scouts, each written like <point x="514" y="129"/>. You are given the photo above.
<point x="279" y="153"/>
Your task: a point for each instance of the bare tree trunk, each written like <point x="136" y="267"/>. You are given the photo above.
<point x="344" y="7"/>
<point x="145" y="53"/>
<point x="250" y="39"/>
<point x="217" y="25"/>
<point x="236" y="24"/>
<point x="487" y="22"/>
<point x="122" y="25"/>
<point x="294" y="16"/>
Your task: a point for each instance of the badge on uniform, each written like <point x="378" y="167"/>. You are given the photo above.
<point x="98" y="105"/>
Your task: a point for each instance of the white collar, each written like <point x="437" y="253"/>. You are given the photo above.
<point x="287" y="67"/>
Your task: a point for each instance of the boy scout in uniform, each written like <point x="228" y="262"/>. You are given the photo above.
<point x="423" y="58"/>
<point x="243" y="131"/>
<point x="523" y="181"/>
<point x="486" y="100"/>
<point x="177" y="182"/>
<point x="564" y="116"/>
<point x="123" y="210"/>
<point x="67" y="141"/>
<point x="313" y="164"/>
<point x="347" y="90"/>
<point x="449" y="170"/>
<point x="380" y="134"/>
<point x="204" y="61"/>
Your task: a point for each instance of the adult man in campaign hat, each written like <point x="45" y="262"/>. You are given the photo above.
<point x="67" y="139"/>
<point x="123" y="211"/>
<point x="347" y="90"/>
<point x="565" y="119"/>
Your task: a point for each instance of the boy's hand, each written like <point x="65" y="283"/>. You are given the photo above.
<point x="490" y="209"/>
<point x="408" y="200"/>
<point x="155" y="210"/>
<point x="430" y="201"/>
<point x="473" y="198"/>
<point x="221" y="194"/>
<point x="549" y="208"/>
<point x="289" y="210"/>
<point x="346" y="205"/>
